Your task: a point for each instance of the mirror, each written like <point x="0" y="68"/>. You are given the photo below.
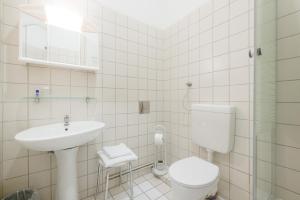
<point x="34" y="38"/>
<point x="89" y="49"/>
<point x="64" y="46"/>
<point x="41" y="43"/>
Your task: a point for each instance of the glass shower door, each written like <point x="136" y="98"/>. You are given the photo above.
<point x="265" y="98"/>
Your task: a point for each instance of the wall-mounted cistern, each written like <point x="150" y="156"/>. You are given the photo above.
<point x="66" y="122"/>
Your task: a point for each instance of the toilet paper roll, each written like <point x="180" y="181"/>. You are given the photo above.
<point x="158" y="139"/>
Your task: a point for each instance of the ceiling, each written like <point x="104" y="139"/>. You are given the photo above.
<point x="158" y="13"/>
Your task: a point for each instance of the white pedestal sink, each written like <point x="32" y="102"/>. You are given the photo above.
<point x="64" y="143"/>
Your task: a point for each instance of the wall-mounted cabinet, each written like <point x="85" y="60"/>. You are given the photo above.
<point x="45" y="44"/>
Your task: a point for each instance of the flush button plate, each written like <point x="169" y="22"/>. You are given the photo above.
<point x="144" y="107"/>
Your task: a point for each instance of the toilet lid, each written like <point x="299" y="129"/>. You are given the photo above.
<point x="193" y="172"/>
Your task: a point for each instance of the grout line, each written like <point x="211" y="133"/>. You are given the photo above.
<point x="287" y="14"/>
<point x="288" y="189"/>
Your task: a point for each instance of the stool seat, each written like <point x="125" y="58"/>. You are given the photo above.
<point x="119" y="158"/>
<point x="108" y="162"/>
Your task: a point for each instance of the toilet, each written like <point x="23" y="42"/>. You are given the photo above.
<point x="212" y="128"/>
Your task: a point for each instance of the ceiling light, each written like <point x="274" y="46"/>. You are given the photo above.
<point x="63" y="18"/>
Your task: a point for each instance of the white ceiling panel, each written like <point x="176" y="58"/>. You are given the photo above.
<point x="158" y="13"/>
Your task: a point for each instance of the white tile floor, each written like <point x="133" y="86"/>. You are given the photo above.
<point x="146" y="187"/>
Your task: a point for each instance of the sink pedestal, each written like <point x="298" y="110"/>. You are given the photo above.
<point x="66" y="186"/>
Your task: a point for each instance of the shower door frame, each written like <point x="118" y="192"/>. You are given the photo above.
<point x="256" y="54"/>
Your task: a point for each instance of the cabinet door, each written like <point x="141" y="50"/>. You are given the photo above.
<point x="33" y="38"/>
<point x="89" y="49"/>
<point x="64" y="46"/>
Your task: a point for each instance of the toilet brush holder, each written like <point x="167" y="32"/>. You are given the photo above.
<point x="160" y="167"/>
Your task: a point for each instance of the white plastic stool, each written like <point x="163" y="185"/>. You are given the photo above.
<point x="107" y="163"/>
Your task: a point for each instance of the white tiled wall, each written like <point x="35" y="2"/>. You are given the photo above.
<point x="130" y="63"/>
<point x="210" y="48"/>
<point x="288" y="101"/>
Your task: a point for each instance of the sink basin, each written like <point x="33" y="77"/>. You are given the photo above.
<point x="54" y="137"/>
<point x="64" y="142"/>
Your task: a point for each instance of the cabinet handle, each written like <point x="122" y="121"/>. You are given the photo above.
<point x="259" y="52"/>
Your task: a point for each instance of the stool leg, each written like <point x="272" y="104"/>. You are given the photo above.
<point x="130" y="180"/>
<point x="120" y="181"/>
<point x="106" y="187"/>
<point x="98" y="174"/>
<point x="102" y="178"/>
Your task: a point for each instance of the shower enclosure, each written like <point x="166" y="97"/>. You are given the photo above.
<point x="264" y="99"/>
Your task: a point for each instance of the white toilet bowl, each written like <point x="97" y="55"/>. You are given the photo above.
<point x="193" y="179"/>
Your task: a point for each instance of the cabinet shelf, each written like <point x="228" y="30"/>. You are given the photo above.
<point x="57" y="64"/>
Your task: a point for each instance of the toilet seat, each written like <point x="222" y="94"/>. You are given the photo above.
<point x="194" y="172"/>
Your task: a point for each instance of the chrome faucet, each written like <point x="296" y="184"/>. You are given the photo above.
<point x="66" y="121"/>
